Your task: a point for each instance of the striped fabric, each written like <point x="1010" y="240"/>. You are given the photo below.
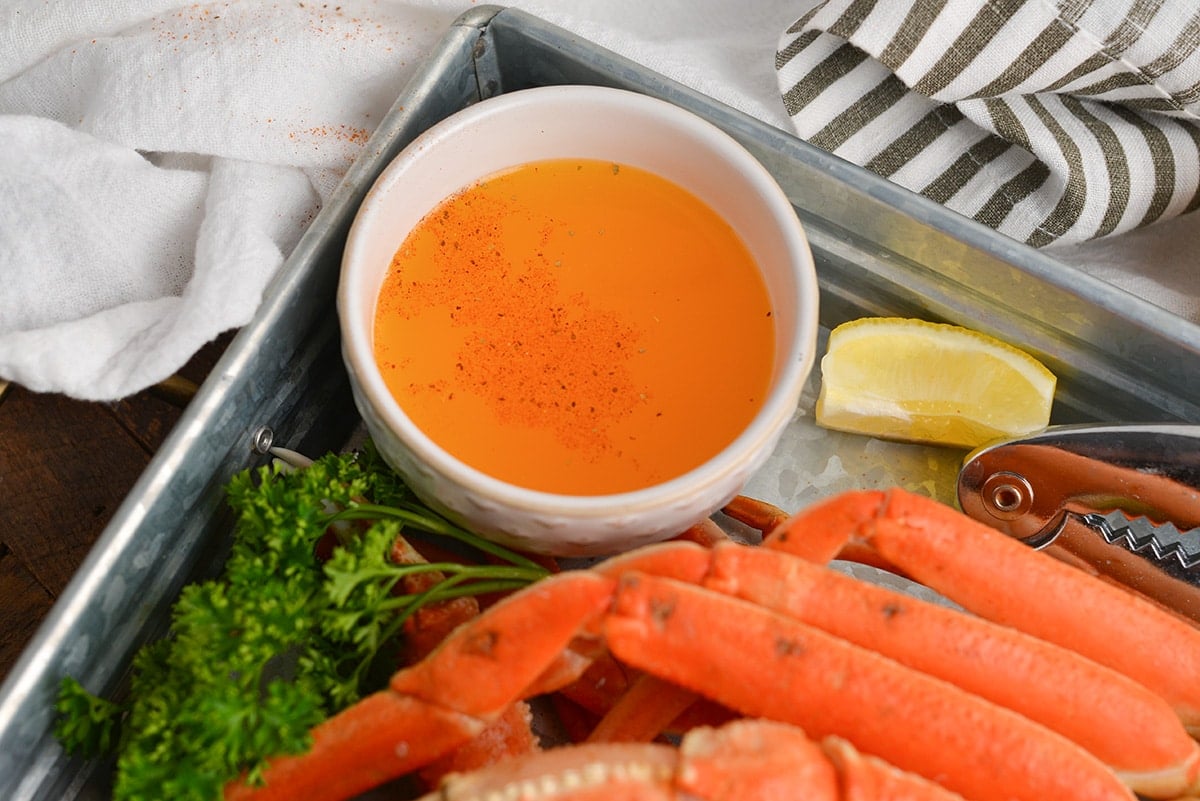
<point x="1052" y="121"/>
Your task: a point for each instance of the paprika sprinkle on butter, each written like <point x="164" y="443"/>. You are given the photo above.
<point x="576" y="326"/>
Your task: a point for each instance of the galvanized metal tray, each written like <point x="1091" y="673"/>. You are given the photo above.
<point x="879" y="250"/>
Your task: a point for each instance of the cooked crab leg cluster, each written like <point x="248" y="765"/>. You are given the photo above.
<point x="977" y="708"/>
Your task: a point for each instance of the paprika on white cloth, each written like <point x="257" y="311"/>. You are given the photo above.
<point x="159" y="160"/>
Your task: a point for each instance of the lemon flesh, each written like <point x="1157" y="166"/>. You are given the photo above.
<point x="917" y="381"/>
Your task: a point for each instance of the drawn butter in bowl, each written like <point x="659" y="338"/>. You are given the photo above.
<point x="576" y="319"/>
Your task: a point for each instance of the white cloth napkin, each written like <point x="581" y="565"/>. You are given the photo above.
<point x="160" y="159"/>
<point x="159" y="162"/>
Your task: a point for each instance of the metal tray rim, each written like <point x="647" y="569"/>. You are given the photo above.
<point x="476" y="57"/>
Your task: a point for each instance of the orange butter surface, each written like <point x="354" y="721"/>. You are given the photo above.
<point x="576" y="327"/>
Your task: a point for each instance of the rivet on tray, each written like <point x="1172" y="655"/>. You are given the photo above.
<point x="263" y="437"/>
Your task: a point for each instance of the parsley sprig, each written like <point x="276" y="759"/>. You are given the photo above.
<point x="280" y="641"/>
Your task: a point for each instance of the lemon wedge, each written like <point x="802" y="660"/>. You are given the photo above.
<point x="917" y="381"/>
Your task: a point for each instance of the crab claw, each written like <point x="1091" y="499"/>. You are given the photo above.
<point x="490" y="662"/>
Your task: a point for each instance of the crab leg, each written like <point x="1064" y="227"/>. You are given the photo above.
<point x="766" y="665"/>
<point x="357" y="749"/>
<point x="425" y="629"/>
<point x="1123" y="723"/>
<point x="1128" y="727"/>
<point x="819" y="533"/>
<point x="867" y="778"/>
<point x="509" y="734"/>
<point x="447" y="699"/>
<point x="706" y="533"/>
<point x="650" y="705"/>
<point x="1003" y="580"/>
<point x="638" y="708"/>
<point x="600" y="686"/>
<point x="747" y="759"/>
<point x="643" y="712"/>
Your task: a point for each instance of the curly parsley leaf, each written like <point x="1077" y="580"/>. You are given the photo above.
<point x="87" y="725"/>
<point x="280" y="640"/>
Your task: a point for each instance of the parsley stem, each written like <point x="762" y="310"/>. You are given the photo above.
<point x="509" y="572"/>
<point x="513" y="575"/>
<point x="437" y="594"/>
<point x="463" y="581"/>
<point x="431" y="523"/>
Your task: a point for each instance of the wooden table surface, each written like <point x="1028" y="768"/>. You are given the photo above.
<point x="65" y="467"/>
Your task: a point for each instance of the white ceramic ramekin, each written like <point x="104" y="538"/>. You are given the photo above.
<point x="578" y="122"/>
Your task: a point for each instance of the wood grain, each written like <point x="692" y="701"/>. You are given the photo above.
<point x="65" y="467"/>
<point x="66" y="464"/>
<point x="25" y="603"/>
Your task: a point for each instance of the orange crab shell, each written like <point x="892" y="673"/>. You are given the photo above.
<point x="668" y="611"/>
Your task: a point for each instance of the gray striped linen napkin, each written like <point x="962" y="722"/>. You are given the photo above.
<point x="1052" y="121"/>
